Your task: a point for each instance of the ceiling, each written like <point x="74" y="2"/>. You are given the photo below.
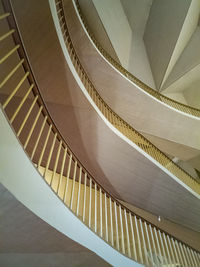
<point x="170" y="60"/>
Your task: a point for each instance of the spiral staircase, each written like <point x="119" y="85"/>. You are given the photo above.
<point x="39" y="168"/>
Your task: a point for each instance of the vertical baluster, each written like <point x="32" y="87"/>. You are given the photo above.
<point x="95" y="207"/>
<point x="50" y="154"/>
<point x="56" y="163"/>
<point x="94" y="96"/>
<point x="144" y="243"/>
<point x="127" y="234"/>
<point x="38" y="138"/>
<point x="27" y="116"/>
<point x="179" y="253"/>
<point x="175" y="251"/>
<point x="122" y="229"/>
<point x="197" y="257"/>
<point x="33" y="127"/>
<point x="106" y="217"/>
<point x="15" y="90"/>
<point x="84" y="199"/>
<point x="152" y="238"/>
<point x="21" y="103"/>
<point x="75" y="62"/>
<point x="111" y="116"/>
<point x="6" y="35"/>
<point x="138" y="238"/>
<point x="190" y="255"/>
<point x="194" y="257"/>
<point x="187" y="256"/>
<point x="44" y="147"/>
<point x="98" y="102"/>
<point x="167" y="247"/>
<point x="116" y="223"/>
<point x="103" y="110"/>
<point x="183" y="254"/>
<point x="67" y="178"/>
<point x="100" y="105"/>
<point x="90" y="203"/>
<point x="101" y="213"/>
<point x="148" y="241"/>
<point x="171" y="250"/>
<point x="111" y="222"/>
<point x="73" y="186"/>
<point x="79" y="190"/>
<point x="61" y="172"/>
<point x="133" y="237"/>
<point x="108" y="117"/>
<point x="162" y="247"/>
<point x="158" y="245"/>
<point x="3" y="16"/>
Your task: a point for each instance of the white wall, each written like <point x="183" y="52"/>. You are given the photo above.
<point x="137" y="12"/>
<point x="187" y="31"/>
<point x="95" y="25"/>
<point x="118" y="29"/>
<point x="178" y="96"/>
<point x="139" y="63"/>
<point x="192" y="94"/>
<point x="126" y="34"/>
<point x="162" y="33"/>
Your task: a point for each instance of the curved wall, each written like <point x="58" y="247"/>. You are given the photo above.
<point x="142" y="180"/>
<point x="23" y="180"/>
<point x="133" y="104"/>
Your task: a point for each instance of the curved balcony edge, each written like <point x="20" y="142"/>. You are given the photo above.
<point x="23" y="180"/>
<point x="128" y="233"/>
<point x="170" y="103"/>
<point x="133" y="105"/>
<point x="192" y="186"/>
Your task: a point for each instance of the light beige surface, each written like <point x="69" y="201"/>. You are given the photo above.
<point x="118" y="167"/>
<point x="137" y="12"/>
<point x="195" y="162"/>
<point x="140" y="110"/>
<point x="166" y="34"/>
<point x="188" y="60"/>
<point x="116" y="24"/>
<point x="171" y="148"/>
<point x="97" y="26"/>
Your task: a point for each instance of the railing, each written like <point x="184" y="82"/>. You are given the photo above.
<point x="26" y="111"/>
<point x="117" y="121"/>
<point x="177" y="105"/>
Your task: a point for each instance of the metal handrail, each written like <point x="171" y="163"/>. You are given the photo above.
<point x="160" y="97"/>
<point x="118" y="226"/>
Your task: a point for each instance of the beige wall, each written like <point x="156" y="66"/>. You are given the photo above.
<point x="96" y="26"/>
<point x="162" y="31"/>
<point x="115" y="22"/>
<point x="189" y="59"/>
<point x="192" y="95"/>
